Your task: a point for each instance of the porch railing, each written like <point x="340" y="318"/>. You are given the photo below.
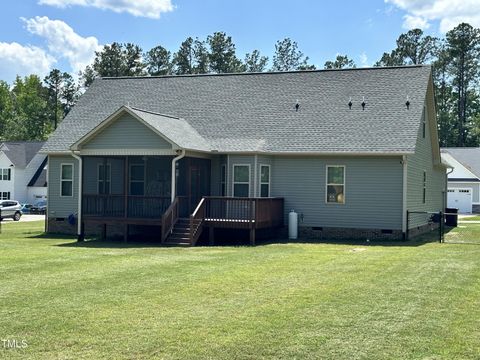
<point x="169" y="218"/>
<point x="118" y="206"/>
<point x="196" y="221"/>
<point x="259" y="212"/>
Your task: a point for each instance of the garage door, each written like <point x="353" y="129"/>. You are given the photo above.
<point x="460" y="199"/>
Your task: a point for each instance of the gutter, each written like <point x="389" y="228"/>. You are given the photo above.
<point x="80" y="235"/>
<point x="174" y="183"/>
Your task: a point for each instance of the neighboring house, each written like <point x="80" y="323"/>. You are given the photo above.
<point x="22" y="171"/>
<point x="349" y="150"/>
<point x="464" y="180"/>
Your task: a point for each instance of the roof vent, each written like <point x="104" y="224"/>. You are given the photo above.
<point x="350" y="103"/>
<point x="297" y="106"/>
<point x="407" y="103"/>
<point x="363" y="103"/>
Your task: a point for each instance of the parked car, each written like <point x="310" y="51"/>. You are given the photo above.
<point x="10" y="209"/>
<point x="39" y="208"/>
<point x="26" y="208"/>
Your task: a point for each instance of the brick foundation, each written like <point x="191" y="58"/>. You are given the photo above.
<point x="337" y="233"/>
<point x="423" y="229"/>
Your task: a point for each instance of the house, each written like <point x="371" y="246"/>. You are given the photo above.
<point x="22" y="171"/>
<point x="349" y="150"/>
<point x="464" y="180"/>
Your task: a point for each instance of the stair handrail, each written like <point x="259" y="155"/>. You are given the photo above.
<point x="196" y="221"/>
<point x="169" y="219"/>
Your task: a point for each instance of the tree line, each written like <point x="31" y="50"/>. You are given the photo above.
<point x="31" y="108"/>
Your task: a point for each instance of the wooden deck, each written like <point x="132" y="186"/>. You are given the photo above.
<point x="211" y="212"/>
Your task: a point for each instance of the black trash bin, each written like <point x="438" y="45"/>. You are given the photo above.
<point x="451" y="217"/>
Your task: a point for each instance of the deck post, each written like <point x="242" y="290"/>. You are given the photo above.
<point x="104" y="232"/>
<point x="252" y="236"/>
<point x="211" y="235"/>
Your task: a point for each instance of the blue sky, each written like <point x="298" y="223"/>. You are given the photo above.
<point x="37" y="35"/>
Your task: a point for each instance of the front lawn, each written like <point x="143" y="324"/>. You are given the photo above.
<point x="345" y="301"/>
<point x="470" y="218"/>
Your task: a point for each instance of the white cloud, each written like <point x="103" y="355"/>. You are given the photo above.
<point x="62" y="40"/>
<point x="415" y="22"/>
<point x="363" y="59"/>
<point x="448" y="12"/>
<point x="17" y="59"/>
<point x="144" y="8"/>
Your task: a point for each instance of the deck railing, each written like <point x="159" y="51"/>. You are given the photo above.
<point x="118" y="206"/>
<point x="196" y="221"/>
<point x="169" y="218"/>
<point x="252" y="212"/>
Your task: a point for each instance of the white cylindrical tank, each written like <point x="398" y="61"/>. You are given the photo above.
<point x="292" y="225"/>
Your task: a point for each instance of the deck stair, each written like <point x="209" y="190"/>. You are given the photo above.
<point x="180" y="235"/>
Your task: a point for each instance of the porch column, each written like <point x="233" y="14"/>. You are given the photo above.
<point x="174" y="182"/>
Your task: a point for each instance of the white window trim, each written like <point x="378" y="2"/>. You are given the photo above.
<point x="223" y="181"/>
<point x="5" y="198"/>
<point x="236" y="182"/>
<point x="130" y="181"/>
<point x="344" y="184"/>
<point x="109" y="170"/>
<point x="62" y="180"/>
<point x="9" y="171"/>
<point x="269" y="179"/>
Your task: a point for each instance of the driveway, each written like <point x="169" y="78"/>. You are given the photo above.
<point x="27" y="217"/>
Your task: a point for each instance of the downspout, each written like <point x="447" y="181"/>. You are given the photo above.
<point x="255" y="176"/>
<point x="174" y="183"/>
<point x="404" y="196"/>
<point x="80" y="183"/>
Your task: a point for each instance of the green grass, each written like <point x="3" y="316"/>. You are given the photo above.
<point x="471" y="218"/>
<point x="306" y="301"/>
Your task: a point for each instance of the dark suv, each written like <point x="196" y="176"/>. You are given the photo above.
<point x="10" y="209"/>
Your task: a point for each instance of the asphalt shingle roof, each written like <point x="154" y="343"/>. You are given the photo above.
<point x="256" y="112"/>
<point x="21" y="153"/>
<point x="177" y="130"/>
<point x="468" y="157"/>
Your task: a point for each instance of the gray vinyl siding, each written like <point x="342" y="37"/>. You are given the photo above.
<point x="61" y="206"/>
<point x="127" y="133"/>
<point x="417" y="163"/>
<point x="373" y="191"/>
<point x="474" y="186"/>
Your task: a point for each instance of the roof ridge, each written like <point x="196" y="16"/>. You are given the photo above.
<point x="266" y="72"/>
<point x="154" y="113"/>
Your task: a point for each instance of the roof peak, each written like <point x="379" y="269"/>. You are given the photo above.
<point x="265" y="72"/>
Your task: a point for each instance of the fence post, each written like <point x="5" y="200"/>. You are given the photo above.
<point x="406" y="230"/>
<point x="441" y="227"/>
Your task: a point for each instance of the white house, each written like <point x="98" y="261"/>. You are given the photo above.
<point x="22" y="171"/>
<point x="464" y="180"/>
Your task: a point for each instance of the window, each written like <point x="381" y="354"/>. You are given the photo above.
<point x="264" y="180"/>
<point x="424" y="186"/>
<point x="6" y="174"/>
<point x="336" y="184"/>
<point x="223" y="180"/>
<point x="104" y="179"/>
<point x="241" y="180"/>
<point x="137" y="179"/>
<point x="5" y="195"/>
<point x="66" y="180"/>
